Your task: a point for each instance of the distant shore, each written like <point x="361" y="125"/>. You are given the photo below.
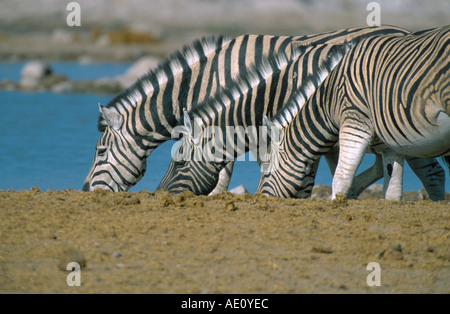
<point x="125" y="31"/>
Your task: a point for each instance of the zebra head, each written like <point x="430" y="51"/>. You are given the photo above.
<point x="117" y="165"/>
<point x="276" y="176"/>
<point x="191" y="169"/>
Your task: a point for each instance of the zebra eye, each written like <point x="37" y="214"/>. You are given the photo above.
<point x="101" y="151"/>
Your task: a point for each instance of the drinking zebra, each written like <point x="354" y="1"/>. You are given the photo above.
<point x="236" y="113"/>
<point x="142" y="117"/>
<point x="387" y="92"/>
<point x="192" y="170"/>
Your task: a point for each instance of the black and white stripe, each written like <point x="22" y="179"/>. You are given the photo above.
<point x="142" y="117"/>
<point x="244" y="106"/>
<point x="390" y="93"/>
<point x="138" y="120"/>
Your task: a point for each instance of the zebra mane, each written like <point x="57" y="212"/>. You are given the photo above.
<point x="214" y="104"/>
<point x="177" y="62"/>
<point x="297" y="100"/>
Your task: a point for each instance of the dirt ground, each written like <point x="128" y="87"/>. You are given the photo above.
<point x="142" y="242"/>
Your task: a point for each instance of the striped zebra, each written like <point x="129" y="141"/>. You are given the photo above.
<point x="243" y="105"/>
<point x="201" y="175"/>
<point x="190" y="169"/>
<point x="390" y="94"/>
<point x="142" y="117"/>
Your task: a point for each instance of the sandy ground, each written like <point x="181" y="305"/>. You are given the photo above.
<point x="144" y="242"/>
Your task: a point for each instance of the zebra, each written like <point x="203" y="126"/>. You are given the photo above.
<point x="243" y="105"/>
<point x="142" y="117"/>
<point x="388" y="93"/>
<point x="201" y="175"/>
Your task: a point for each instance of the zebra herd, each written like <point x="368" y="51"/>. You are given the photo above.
<point x="340" y="94"/>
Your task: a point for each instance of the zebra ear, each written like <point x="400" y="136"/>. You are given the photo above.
<point x="273" y="131"/>
<point x="193" y="131"/>
<point x="196" y="136"/>
<point x="113" y="119"/>
<point x="187" y="121"/>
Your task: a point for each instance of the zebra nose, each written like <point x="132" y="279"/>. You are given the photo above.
<point x="86" y="187"/>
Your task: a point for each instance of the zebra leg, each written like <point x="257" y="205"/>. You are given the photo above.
<point x="431" y="174"/>
<point x="361" y="181"/>
<point x="224" y="179"/>
<point x="393" y="175"/>
<point x="332" y="158"/>
<point x="354" y="139"/>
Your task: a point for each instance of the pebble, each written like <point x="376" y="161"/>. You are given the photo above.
<point x="230" y="207"/>
<point x="397" y="248"/>
<point x="239" y="190"/>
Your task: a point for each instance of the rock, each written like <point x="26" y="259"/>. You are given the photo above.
<point x="323" y="250"/>
<point x="38" y="75"/>
<point x="423" y="194"/>
<point x="321" y="192"/>
<point x="166" y="201"/>
<point x="197" y="203"/>
<point x="412" y="196"/>
<point x="8" y="85"/>
<point x="35" y="70"/>
<point x="137" y="69"/>
<point x="230" y="207"/>
<point x="33" y="73"/>
<point x="63" y="87"/>
<point x="239" y="190"/>
<point x="397" y="248"/>
<point x="35" y="189"/>
<point x="374" y="192"/>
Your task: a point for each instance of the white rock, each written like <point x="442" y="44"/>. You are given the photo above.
<point x="35" y="69"/>
<point x="239" y="190"/>
<point x="138" y="69"/>
<point x="63" y="87"/>
<point x="33" y="72"/>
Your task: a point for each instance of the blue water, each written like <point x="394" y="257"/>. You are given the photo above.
<point x="48" y="140"/>
<point x="73" y="70"/>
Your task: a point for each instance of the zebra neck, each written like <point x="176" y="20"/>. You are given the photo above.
<point x="313" y="131"/>
<point x="151" y="106"/>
